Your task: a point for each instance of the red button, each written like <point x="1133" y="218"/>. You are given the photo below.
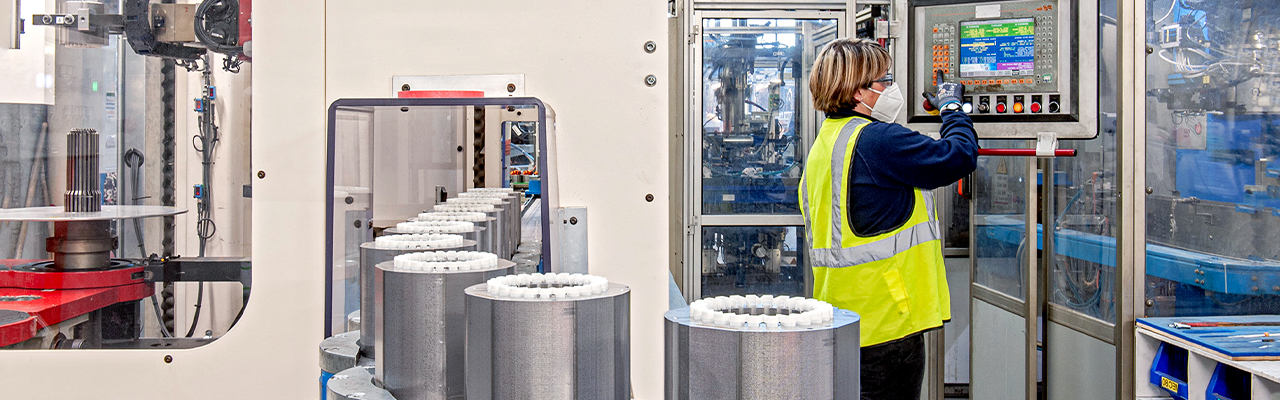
<point x="1000" y="107"/>
<point x="1035" y="107"/>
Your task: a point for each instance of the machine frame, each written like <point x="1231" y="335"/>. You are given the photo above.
<point x="694" y="220"/>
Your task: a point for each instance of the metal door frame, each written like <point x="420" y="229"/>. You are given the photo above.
<point x="692" y="219"/>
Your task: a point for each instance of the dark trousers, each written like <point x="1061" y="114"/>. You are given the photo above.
<point x="894" y="370"/>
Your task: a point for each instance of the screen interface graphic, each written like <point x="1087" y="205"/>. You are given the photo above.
<point x="1004" y="47"/>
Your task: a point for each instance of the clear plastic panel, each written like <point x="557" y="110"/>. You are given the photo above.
<point x="755" y="116"/>
<point x="1213" y="158"/>
<point x="1000" y="199"/>
<point x="395" y="158"/>
<point x="753" y="260"/>
<point x="185" y="168"/>
<point x="1082" y="273"/>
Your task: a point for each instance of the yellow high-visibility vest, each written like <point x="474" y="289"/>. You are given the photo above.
<point x="895" y="281"/>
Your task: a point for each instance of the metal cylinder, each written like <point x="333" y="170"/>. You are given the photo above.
<point x="498" y="227"/>
<point x="339" y="352"/>
<point x="84" y="188"/>
<point x="512" y="209"/>
<point x="356" y="384"/>
<point x="422" y="334"/>
<point x="371" y="254"/>
<point x="548" y="348"/>
<point x="761" y="359"/>
<point x="81" y="245"/>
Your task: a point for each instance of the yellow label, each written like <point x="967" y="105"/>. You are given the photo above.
<point x="1169" y="384"/>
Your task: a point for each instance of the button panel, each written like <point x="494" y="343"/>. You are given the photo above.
<point x="1027" y="93"/>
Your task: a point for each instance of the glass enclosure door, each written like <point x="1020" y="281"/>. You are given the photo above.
<point x="755" y="124"/>
<point x="1213" y="158"/>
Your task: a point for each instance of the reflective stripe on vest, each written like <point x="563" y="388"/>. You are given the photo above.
<point x="896" y="281"/>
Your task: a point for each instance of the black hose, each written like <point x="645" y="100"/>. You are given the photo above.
<point x="199" y="303"/>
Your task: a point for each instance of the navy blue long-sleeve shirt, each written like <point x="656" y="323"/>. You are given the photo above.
<point x="890" y="161"/>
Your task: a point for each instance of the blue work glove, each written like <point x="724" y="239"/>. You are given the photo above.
<point x="948" y="93"/>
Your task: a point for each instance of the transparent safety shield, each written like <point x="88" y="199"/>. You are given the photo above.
<point x="750" y="260"/>
<point x="85" y="119"/>
<point x="1213" y="159"/>
<point x="999" y="236"/>
<point x="392" y="159"/>
<point x="754" y="118"/>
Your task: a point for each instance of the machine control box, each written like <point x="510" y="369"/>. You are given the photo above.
<point x="1019" y="62"/>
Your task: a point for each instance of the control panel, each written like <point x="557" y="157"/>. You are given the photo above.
<point x="1020" y="62"/>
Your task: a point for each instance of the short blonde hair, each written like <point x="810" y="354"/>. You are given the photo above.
<point x="844" y="66"/>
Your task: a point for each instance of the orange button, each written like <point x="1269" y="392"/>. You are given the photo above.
<point x="935" y="30"/>
<point x="1017" y="107"/>
<point x="946" y="70"/>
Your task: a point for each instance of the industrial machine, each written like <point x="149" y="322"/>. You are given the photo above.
<point x="91" y="282"/>
<point x="748" y="125"/>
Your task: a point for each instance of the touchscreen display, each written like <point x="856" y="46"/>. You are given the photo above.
<point x="1004" y="47"/>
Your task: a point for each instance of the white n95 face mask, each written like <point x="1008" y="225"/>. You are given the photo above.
<point x="889" y="105"/>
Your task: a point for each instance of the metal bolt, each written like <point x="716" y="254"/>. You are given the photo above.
<point x="1150" y="50"/>
<point x="1150" y="190"/>
<point x="650" y="80"/>
<point x="168" y="359"/>
<point x="1255" y="288"/>
<point x="262" y="174"/>
<point x="349" y="200"/>
<point x="404" y="109"/>
<point x="573" y="220"/>
<point x="356" y="223"/>
<point x="404" y="87"/>
<point x="459" y="149"/>
<point x="648" y="197"/>
<point x="1150" y="303"/>
<point x="511" y="88"/>
<point x="650" y="47"/>
<point x="1255" y="278"/>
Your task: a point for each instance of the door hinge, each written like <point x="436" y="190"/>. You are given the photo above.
<point x="695" y="33"/>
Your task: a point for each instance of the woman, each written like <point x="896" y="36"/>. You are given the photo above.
<point x="868" y="207"/>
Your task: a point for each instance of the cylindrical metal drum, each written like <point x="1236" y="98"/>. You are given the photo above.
<point x="761" y="347"/>
<point x="484" y="239"/>
<point x="383" y="249"/>
<point x="553" y="336"/>
<point x="499" y="224"/>
<point x="421" y="338"/>
<point x="514" y="212"/>
<point x="505" y="212"/>
<point x="353" y="321"/>
<point x="356" y="384"/>
<point x="337" y="353"/>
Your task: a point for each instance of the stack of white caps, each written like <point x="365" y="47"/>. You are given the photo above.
<point x="418" y="241"/>
<point x="472" y="195"/>
<point x="761" y="312"/>
<point x="490" y="190"/>
<point x="436" y="227"/>
<point x="453" y="216"/>
<point x="463" y="207"/>
<point x="446" y="261"/>
<point x="474" y="200"/>
<point x="547" y="286"/>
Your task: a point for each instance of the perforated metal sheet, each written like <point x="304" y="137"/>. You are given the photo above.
<point x="707" y="362"/>
<point x="542" y="349"/>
